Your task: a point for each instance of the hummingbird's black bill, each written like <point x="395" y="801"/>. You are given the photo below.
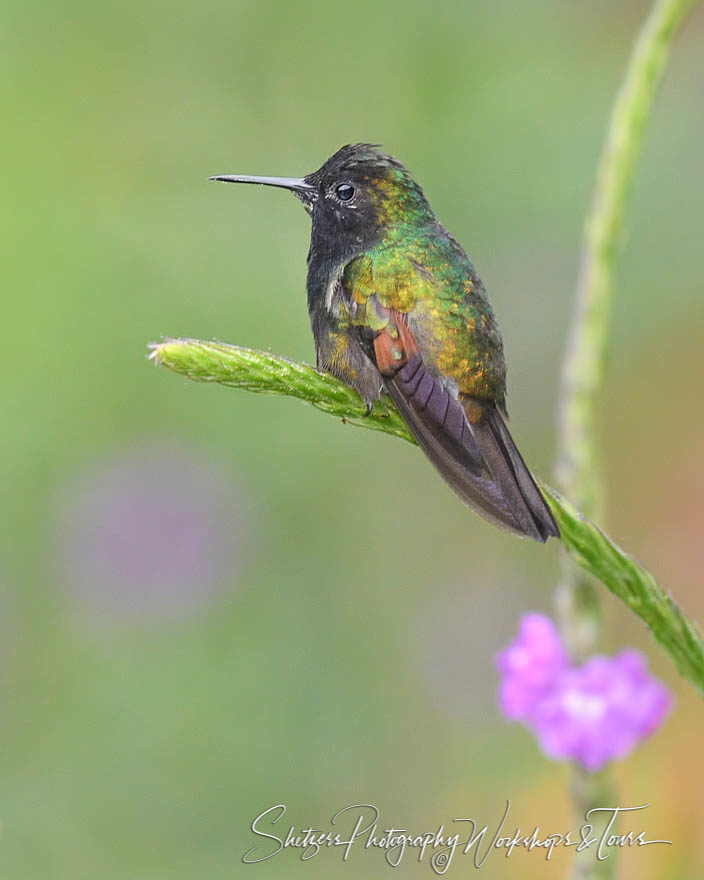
<point x="297" y="184"/>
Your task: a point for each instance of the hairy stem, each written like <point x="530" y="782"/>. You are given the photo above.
<point x="590" y="548"/>
<point x="583" y="370"/>
<point x="577" y="470"/>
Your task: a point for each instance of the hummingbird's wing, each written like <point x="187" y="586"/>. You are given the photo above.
<point x="463" y="434"/>
<point x="466" y="439"/>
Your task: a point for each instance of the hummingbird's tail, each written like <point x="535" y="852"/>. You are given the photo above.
<point x="511" y="475"/>
<point x="464" y="437"/>
<point x="476" y="456"/>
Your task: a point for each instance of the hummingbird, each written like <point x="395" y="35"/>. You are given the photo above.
<point x="397" y="307"/>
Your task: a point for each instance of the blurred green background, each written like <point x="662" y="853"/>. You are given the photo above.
<point x="212" y="602"/>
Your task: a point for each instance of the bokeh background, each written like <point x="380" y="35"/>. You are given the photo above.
<point x="212" y="602"/>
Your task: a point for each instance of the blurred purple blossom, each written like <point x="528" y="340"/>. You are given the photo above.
<point x="591" y="713"/>
<point x="152" y="531"/>
<point x="529" y="666"/>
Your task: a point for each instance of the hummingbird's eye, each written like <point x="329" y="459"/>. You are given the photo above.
<point x="344" y="192"/>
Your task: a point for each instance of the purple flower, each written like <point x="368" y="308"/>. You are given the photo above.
<point x="529" y="666"/>
<point x="591" y="713"/>
<point x="150" y="532"/>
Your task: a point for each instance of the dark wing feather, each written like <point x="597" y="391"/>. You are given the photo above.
<point x="513" y="478"/>
<point x="476" y="457"/>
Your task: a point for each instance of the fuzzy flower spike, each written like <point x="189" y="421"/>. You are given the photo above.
<point x="593" y="713"/>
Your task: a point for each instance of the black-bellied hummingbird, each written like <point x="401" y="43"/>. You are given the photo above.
<point x="396" y="306"/>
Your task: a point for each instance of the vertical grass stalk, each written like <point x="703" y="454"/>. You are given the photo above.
<point x="577" y="470"/>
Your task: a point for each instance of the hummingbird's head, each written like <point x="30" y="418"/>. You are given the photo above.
<point x="358" y="196"/>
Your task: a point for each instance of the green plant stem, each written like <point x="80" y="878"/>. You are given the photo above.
<point x="583" y="370"/>
<point x="578" y="470"/>
<point x="590" y="548"/>
<point x="595" y="791"/>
